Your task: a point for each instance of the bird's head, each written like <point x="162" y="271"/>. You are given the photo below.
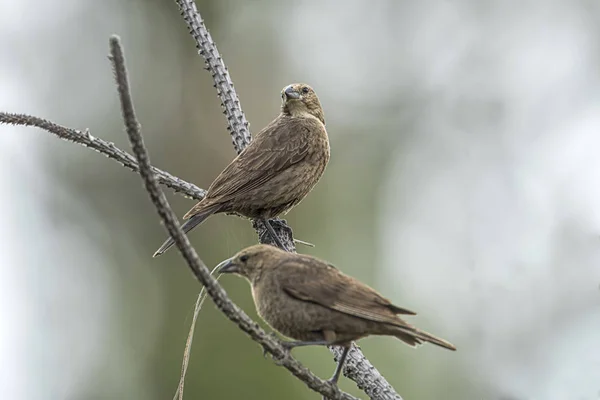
<point x="298" y="99"/>
<point x="252" y="261"/>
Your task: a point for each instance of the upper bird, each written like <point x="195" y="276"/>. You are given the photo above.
<point x="313" y="302"/>
<point x="275" y="171"/>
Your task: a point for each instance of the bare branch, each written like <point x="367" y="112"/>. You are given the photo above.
<point x="369" y="379"/>
<point x="107" y="148"/>
<point x="200" y="271"/>
<point x="237" y="125"/>
<point x="376" y="388"/>
<point x="236" y="120"/>
<point x="358" y="368"/>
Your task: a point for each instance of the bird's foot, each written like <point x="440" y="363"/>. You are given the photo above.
<point x="273" y="336"/>
<point x="278" y="358"/>
<point x="288" y="346"/>
<point x="283" y="239"/>
<point x="333" y="383"/>
<point x="281" y="225"/>
<point x="283" y="230"/>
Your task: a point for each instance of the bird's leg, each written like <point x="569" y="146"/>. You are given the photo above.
<point x="291" y="345"/>
<point x="288" y="345"/>
<point x="273" y="234"/>
<point x="281" y="224"/>
<point x="338" y="369"/>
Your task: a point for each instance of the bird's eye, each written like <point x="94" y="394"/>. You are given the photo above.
<point x="244" y="258"/>
<point x="304" y="90"/>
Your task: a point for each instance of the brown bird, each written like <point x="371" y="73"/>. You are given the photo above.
<point x="275" y="171"/>
<point x="314" y="303"/>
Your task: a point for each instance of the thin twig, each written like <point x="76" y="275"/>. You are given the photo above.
<point x="200" y="271"/>
<point x="107" y="148"/>
<point x="358" y="367"/>
<point x="374" y="389"/>
<point x="188" y="343"/>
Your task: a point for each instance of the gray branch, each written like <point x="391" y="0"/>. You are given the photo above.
<point x="107" y="148"/>
<point x="358" y="368"/>
<point x="201" y="272"/>
<point x="237" y="125"/>
<point x="370" y="380"/>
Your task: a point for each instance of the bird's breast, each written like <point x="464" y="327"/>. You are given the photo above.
<point x="279" y="311"/>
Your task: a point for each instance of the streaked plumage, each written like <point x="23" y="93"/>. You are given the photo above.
<point x="313" y="302"/>
<point x="276" y="170"/>
<point x="307" y="299"/>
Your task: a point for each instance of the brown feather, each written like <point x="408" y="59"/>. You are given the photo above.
<point x="309" y="300"/>
<point x="283" y="144"/>
<point x="327" y="286"/>
<point x="279" y="167"/>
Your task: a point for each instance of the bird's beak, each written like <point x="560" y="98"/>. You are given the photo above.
<point x="227" y="267"/>
<point x="291" y="93"/>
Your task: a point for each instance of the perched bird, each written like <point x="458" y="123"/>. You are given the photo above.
<point x="314" y="303"/>
<point x="275" y="171"/>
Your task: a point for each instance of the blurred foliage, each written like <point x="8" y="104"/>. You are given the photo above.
<point x="186" y="134"/>
<point x="439" y="115"/>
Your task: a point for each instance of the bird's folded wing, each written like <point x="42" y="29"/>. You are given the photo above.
<point x="328" y="287"/>
<point x="272" y="151"/>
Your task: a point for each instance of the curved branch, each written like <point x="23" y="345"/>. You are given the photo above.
<point x="356" y="364"/>
<point x="201" y="272"/>
<point x="107" y="148"/>
<point x="358" y="368"/>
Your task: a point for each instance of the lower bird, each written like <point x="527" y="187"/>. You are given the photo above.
<point x="275" y="171"/>
<point x="313" y="302"/>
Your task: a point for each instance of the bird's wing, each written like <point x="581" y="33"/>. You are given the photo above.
<point x="280" y="145"/>
<point x="320" y="283"/>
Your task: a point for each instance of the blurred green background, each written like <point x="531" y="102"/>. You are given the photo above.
<point x="462" y="184"/>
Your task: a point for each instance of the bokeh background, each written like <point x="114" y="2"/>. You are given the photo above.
<point x="464" y="183"/>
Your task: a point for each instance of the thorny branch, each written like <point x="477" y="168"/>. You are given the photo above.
<point x="201" y="272"/>
<point x="237" y="125"/>
<point x="107" y="148"/>
<point x="358" y="368"/>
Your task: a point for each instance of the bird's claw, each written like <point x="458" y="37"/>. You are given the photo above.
<point x="287" y="346"/>
<point x="281" y="224"/>
<point x="274" y="337"/>
<point x="332" y="383"/>
<point x="278" y="360"/>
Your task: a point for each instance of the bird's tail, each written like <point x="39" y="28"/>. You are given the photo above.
<point x="414" y="337"/>
<point x="190" y="224"/>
